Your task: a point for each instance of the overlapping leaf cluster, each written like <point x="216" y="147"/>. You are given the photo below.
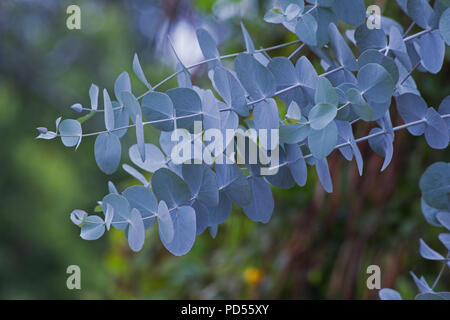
<point x="435" y="186"/>
<point x="187" y="199"/>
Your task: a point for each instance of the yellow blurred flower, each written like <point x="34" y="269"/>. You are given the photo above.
<point x="253" y="276"/>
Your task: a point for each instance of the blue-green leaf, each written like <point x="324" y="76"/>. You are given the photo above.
<point x="370" y="38"/>
<point x="294" y="112"/>
<point x="165" y="223"/>
<point x="107" y="151"/>
<point x="93" y="228"/>
<point x="359" y="105"/>
<point x="158" y="106"/>
<point x="389" y="294"/>
<point x="444" y="219"/>
<point x="136" y="231"/>
<point x="444" y="26"/>
<point x="412" y="108"/>
<point x="202" y="183"/>
<point x="261" y="207"/>
<point x="431" y="50"/>
<point x="376" y="83"/>
<point x="249" y="46"/>
<point x="77" y="107"/>
<point x="266" y="115"/>
<point x="230" y="90"/>
<point x="219" y="214"/>
<point x="323" y="172"/>
<point x="341" y="49"/>
<point x="295" y="133"/>
<point x="211" y="113"/>
<point x="321" y="115"/>
<point x="78" y="216"/>
<point x="143" y="199"/>
<point x="398" y="47"/>
<point x="420" y="11"/>
<point x="169" y="187"/>
<point x="154" y="158"/>
<point x="325" y="93"/>
<point x="137" y="68"/>
<point x="108" y="111"/>
<point x="122" y="83"/>
<point x="70" y="132"/>
<point x="297" y="164"/>
<point x="131" y="105"/>
<point x="382" y="145"/>
<point x="140" y="137"/>
<point x="444" y="109"/>
<point x="306" y="29"/>
<point x="256" y="79"/>
<point x="186" y="103"/>
<point x="374" y="56"/>
<point x="436" y="130"/>
<point x="445" y="239"/>
<point x="435" y="185"/>
<point x="184" y="226"/>
<point x="121" y="209"/>
<point x="109" y="215"/>
<point x="93" y="95"/>
<point x="351" y="11"/>
<point x="430" y="213"/>
<point x="322" y="142"/>
<point x="208" y="47"/>
<point x="427" y="253"/>
<point x="135" y="174"/>
<point x="235" y="185"/>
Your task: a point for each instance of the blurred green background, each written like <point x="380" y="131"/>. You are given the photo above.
<point x="316" y="246"/>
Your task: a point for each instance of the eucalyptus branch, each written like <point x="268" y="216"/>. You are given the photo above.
<point x="373" y="135"/>
<point x="251" y="83"/>
<point x="232" y="55"/>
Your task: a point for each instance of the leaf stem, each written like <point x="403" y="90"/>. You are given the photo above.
<point x="410" y="73"/>
<point x="441" y="272"/>
<point x="418" y="34"/>
<point x="296" y="51"/>
<point x="409" y="29"/>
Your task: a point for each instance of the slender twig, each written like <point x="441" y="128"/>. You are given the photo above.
<point x="409" y="29"/>
<point x="444" y="264"/>
<point x="148" y="217"/>
<point x="410" y="73"/>
<point x="132" y="125"/>
<point x="406" y="125"/>
<point x="343" y="106"/>
<point x="232" y="55"/>
<point x="418" y="34"/>
<point x="297" y="85"/>
<point x="373" y="135"/>
<point x="311" y="9"/>
<point x="296" y="51"/>
<point x="251" y="102"/>
<point x="194" y="115"/>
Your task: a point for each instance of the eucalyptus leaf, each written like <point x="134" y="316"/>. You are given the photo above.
<point x="322" y="142"/>
<point x="165" y="223"/>
<point x="93" y="228"/>
<point x="144" y="200"/>
<point x="108" y="152"/>
<point x="184" y="227"/>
